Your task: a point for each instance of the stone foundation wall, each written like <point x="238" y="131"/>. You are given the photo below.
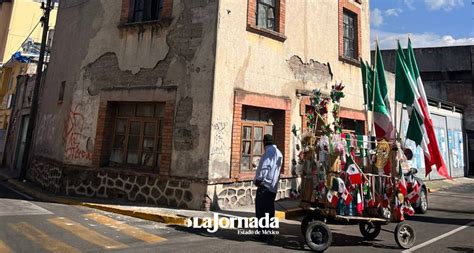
<point x="228" y="196"/>
<point x="110" y="183"/>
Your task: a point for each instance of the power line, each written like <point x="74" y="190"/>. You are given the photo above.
<point x="27" y="37"/>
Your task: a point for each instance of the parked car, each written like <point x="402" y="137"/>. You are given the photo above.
<point x="421" y="204"/>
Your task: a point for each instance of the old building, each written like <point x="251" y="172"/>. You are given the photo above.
<point x="448" y="76"/>
<point x="19" y="49"/>
<point x="167" y="101"/>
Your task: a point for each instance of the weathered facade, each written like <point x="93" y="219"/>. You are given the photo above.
<point x="171" y="111"/>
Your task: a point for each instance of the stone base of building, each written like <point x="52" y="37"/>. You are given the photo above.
<point x="232" y="195"/>
<point x="116" y="184"/>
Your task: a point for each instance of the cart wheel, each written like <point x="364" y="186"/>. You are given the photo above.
<point x="308" y="219"/>
<point x="318" y="236"/>
<point x="405" y="235"/>
<point x="369" y="230"/>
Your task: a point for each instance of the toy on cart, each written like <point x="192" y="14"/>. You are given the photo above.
<point x="348" y="178"/>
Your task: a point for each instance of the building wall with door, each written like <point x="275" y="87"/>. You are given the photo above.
<point x="190" y="90"/>
<point x="20" y="111"/>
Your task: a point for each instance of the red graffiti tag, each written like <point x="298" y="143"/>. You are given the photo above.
<point x="73" y="135"/>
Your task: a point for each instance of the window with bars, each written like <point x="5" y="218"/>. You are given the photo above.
<point x="266" y="14"/>
<point x="256" y="122"/>
<point x="350" y="35"/>
<point x="137" y="135"/>
<point x="146" y="10"/>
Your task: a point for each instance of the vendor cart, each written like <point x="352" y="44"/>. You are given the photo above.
<point x="318" y="235"/>
<point x="348" y="179"/>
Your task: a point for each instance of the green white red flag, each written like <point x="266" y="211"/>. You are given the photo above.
<point x="420" y="128"/>
<point x="376" y="97"/>
<point x="435" y="159"/>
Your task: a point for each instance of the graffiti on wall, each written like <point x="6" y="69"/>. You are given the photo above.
<point x="219" y="148"/>
<point x="78" y="144"/>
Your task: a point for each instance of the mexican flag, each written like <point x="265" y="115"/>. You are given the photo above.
<point x="347" y="197"/>
<point x="433" y="157"/>
<point x="333" y="198"/>
<point x="353" y="171"/>
<point x="376" y="97"/>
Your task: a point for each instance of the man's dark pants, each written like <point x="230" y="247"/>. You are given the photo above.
<point x="265" y="203"/>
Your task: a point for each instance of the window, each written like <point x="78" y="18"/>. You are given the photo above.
<point x="353" y="126"/>
<point x="137" y="135"/>
<point x="266" y="13"/>
<point x="256" y="123"/>
<point x="349" y="35"/>
<point x="146" y="10"/>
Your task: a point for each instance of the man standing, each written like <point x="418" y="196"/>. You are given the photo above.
<point x="266" y="179"/>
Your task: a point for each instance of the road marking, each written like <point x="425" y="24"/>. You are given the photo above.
<point x="439" y="238"/>
<point x="125" y="228"/>
<point x="87" y="234"/>
<point x="4" y="248"/>
<point x="17" y="192"/>
<point x="39" y="237"/>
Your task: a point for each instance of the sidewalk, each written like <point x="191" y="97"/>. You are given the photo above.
<point x="167" y="215"/>
<point x="285" y="209"/>
<point x="442" y="184"/>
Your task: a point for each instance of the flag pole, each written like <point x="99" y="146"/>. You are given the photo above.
<point x="373" y="89"/>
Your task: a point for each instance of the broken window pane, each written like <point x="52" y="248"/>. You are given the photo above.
<point x="147" y="159"/>
<point x="145" y="110"/>
<point x="246" y="147"/>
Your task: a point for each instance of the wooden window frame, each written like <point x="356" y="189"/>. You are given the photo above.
<point x="276" y="11"/>
<point x="135" y="10"/>
<point x="346" y="37"/>
<point x="279" y="23"/>
<point x="128" y="19"/>
<point x="253" y="125"/>
<point x="158" y="136"/>
<point x="355" y="9"/>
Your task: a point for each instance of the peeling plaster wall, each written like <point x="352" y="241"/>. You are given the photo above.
<point x="96" y="56"/>
<point x="255" y="63"/>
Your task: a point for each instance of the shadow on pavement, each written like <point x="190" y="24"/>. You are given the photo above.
<point x="459" y="249"/>
<point x="438" y="220"/>
<point x="291" y="239"/>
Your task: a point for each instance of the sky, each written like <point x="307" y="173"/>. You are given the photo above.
<point x="430" y="23"/>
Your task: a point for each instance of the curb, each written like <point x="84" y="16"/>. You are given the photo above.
<point x="157" y="217"/>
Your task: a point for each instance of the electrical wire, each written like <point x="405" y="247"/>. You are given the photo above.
<point x="27" y="37"/>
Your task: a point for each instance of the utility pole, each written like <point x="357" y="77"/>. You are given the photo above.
<point x="34" y="102"/>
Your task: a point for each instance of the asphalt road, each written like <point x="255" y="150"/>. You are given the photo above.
<point x="30" y="226"/>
